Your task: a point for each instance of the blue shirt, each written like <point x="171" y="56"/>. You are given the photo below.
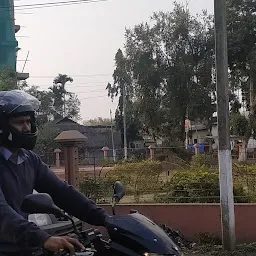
<point x="15" y="158"/>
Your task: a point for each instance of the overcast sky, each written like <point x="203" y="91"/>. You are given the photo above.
<point x="81" y="41"/>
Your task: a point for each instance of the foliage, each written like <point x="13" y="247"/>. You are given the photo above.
<point x="167" y="69"/>
<point x="195" y="184"/>
<point x="46" y="110"/>
<point x="107" y="162"/>
<point x="45" y="141"/>
<point x="133" y="125"/>
<point x="200" y="186"/>
<point x="97" y="189"/>
<point x="51" y="106"/>
<point x="66" y="104"/>
<point x="7" y="80"/>
<point x="98" y="121"/>
<point x="179" y="153"/>
<point x="239" y="125"/>
<point x="72" y="109"/>
<point x="241" y="21"/>
<point x="203" y="160"/>
<point x="121" y="85"/>
<point x="139" y="177"/>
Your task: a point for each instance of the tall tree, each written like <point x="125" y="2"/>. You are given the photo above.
<point x="46" y="110"/>
<point x="49" y="109"/>
<point x="60" y="92"/>
<point x="122" y="81"/>
<point x="65" y="103"/>
<point x="170" y="63"/>
<point x="241" y="23"/>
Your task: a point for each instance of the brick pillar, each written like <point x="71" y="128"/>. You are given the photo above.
<point x="105" y="152"/>
<point x="152" y="150"/>
<point x="70" y="140"/>
<point x="57" y="157"/>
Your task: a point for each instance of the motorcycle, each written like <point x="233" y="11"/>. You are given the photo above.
<point x="130" y="234"/>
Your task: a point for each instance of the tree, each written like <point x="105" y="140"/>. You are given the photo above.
<point x="45" y="141"/>
<point x="98" y="121"/>
<point x="60" y="93"/>
<point x="65" y="103"/>
<point x="134" y="126"/>
<point x="169" y="63"/>
<point x="7" y="80"/>
<point x="73" y="107"/>
<point x="46" y="110"/>
<point x="241" y="23"/>
<point x="49" y="109"/>
<point x="122" y="81"/>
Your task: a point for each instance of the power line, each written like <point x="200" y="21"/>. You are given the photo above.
<point x="61" y="5"/>
<point x="50" y="4"/>
<point x="53" y="3"/>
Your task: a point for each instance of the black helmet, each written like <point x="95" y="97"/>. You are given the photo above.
<point x="12" y="104"/>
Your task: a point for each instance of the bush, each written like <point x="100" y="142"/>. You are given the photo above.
<point x="106" y="162"/>
<point x="203" y="160"/>
<point x="138" y="178"/>
<point x="193" y="185"/>
<point x="99" y="190"/>
<point x="185" y="154"/>
<point x="142" y="175"/>
<point x="196" y="187"/>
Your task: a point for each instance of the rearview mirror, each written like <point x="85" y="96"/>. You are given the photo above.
<point x="40" y="203"/>
<point x="119" y="191"/>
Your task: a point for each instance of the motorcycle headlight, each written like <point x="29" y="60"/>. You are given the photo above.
<point x="40" y="219"/>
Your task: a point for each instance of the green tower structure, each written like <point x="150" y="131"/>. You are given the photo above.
<point x="8" y="42"/>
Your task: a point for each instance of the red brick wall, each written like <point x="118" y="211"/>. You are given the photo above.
<point x="193" y="219"/>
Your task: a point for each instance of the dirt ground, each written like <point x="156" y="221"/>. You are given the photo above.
<point x="211" y="250"/>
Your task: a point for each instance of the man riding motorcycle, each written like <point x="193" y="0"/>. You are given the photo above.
<point x="21" y="172"/>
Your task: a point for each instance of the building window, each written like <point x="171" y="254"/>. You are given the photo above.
<point x="195" y="141"/>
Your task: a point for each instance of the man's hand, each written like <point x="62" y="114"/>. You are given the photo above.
<point x="57" y="243"/>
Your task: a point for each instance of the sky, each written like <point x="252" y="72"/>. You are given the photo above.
<point x="81" y="41"/>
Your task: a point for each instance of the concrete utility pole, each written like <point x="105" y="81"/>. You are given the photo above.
<point x="124" y="120"/>
<point x="225" y="160"/>
<point x="112" y="137"/>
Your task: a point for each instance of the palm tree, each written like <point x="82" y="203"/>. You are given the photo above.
<point x="61" y="80"/>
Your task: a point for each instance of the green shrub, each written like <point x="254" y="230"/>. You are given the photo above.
<point x="203" y="160"/>
<point x="196" y="187"/>
<point x="99" y="190"/>
<point x="138" y="177"/>
<point x="141" y="175"/>
<point x="184" y="154"/>
<point x="193" y="185"/>
<point x="107" y="162"/>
